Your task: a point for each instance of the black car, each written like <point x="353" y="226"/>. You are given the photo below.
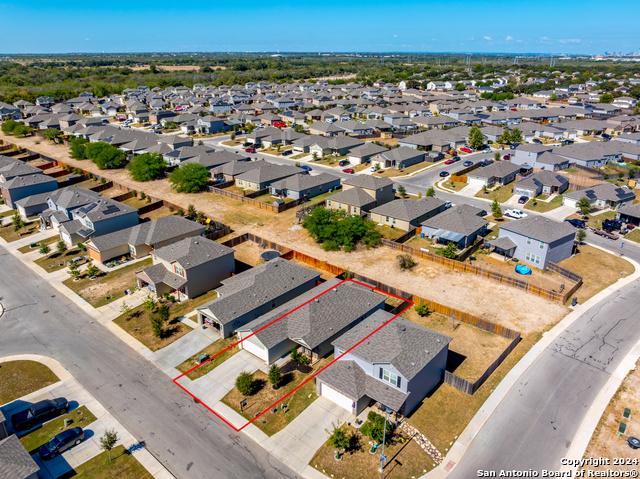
<point x="39" y="412"/>
<point x="287" y="153"/>
<point x="513" y="146"/>
<point x="609" y="225"/>
<point x="444" y="174"/>
<point x="536" y="140"/>
<point x="61" y="442"/>
<point x="576" y="223"/>
<point x="606" y="136"/>
<point x="523" y="199"/>
<point x="456" y="158"/>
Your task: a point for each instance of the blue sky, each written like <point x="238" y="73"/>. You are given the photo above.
<point x="375" y="26"/>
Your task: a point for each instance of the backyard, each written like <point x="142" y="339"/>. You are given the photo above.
<point x="19" y="378"/>
<point x="212" y="350"/>
<point x="271" y="422"/>
<point x="33" y="440"/>
<point x="598" y="269"/>
<point x="404" y="460"/>
<point x="107" y="287"/>
<point x="390" y="233"/>
<point x="137" y="202"/>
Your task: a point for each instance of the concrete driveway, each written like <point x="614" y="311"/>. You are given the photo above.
<point x="182" y="349"/>
<point x="560" y="213"/>
<point x="298" y="442"/>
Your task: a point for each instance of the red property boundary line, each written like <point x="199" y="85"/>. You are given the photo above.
<point x="311" y="377"/>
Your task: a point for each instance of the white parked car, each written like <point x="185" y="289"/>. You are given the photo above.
<point x="516" y="214"/>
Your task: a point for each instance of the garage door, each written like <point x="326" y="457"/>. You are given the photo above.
<point x="336" y="397"/>
<point x="570" y="202"/>
<point x="255" y="349"/>
<point x="476" y="181"/>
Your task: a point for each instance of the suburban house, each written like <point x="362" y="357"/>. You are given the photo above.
<point x="398" y="157"/>
<point x="188" y="268"/>
<point x="529" y="154"/>
<point x="536" y="240"/>
<point x="405" y="214"/>
<point x="605" y="195"/>
<point x="630" y="214"/>
<point x="304" y="186"/>
<point x="361" y="193"/>
<point x="142" y="239"/>
<point x="395" y="367"/>
<point x="78" y="213"/>
<point x="543" y="182"/>
<point x="252" y="293"/>
<point x="340" y="145"/>
<point x="591" y="154"/>
<point x="461" y="225"/>
<point x="364" y="153"/>
<point x="325" y="129"/>
<point x="15" y="461"/>
<point x="230" y="170"/>
<point x="19" y="180"/>
<point x="312" y="321"/>
<point x="264" y="174"/>
<point x="498" y="173"/>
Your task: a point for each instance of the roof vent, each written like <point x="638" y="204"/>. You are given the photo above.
<point x="426" y="351"/>
<point x="403" y="328"/>
<point x="195" y="242"/>
<point x="438" y="340"/>
<point x="335" y="289"/>
<point x="413" y="364"/>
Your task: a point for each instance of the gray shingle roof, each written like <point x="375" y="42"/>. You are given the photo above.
<point x="407" y="346"/>
<point x="320" y="318"/>
<point x="251" y="289"/>
<point x="368" y="181"/>
<point x="458" y="220"/>
<point x="302" y="182"/>
<point x="15" y="461"/>
<point x="353" y="196"/>
<point x="401" y="154"/>
<point x="631" y="210"/>
<point x="499" y="169"/>
<point x="27" y="180"/>
<point x="269" y="172"/>
<point x="368" y="149"/>
<point x="543" y="178"/>
<point x="409" y="210"/>
<point x="539" y="228"/>
<point x="604" y="191"/>
<point x="158" y="273"/>
<point x="193" y="251"/>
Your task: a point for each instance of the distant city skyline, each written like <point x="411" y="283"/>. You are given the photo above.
<point x="411" y="26"/>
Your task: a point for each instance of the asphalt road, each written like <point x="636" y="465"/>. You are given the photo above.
<point x="534" y="425"/>
<point x="187" y="439"/>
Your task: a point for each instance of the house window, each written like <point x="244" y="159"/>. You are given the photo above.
<point x="387" y="220"/>
<point x="394" y="221"/>
<point x="389" y="377"/>
<point x="528" y="240"/>
<point x="273" y="303"/>
<point x="541" y="245"/>
<point x="340" y="351"/>
<point x="178" y="270"/>
<point x="340" y="206"/>
<point x="239" y="182"/>
<point x="329" y="203"/>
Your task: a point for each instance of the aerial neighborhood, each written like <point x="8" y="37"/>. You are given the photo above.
<point x="342" y="269"/>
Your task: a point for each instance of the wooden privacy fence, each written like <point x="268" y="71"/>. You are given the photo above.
<point x="250" y="201"/>
<point x="458" y="178"/>
<point x="470" y="250"/>
<point x="150" y="207"/>
<point x="123" y="196"/>
<point x="408" y="235"/>
<point x="73" y="181"/>
<point x="102" y="187"/>
<point x="567" y="273"/>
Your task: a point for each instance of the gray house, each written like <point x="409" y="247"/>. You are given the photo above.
<point x="298" y="186"/>
<point x="19" y="180"/>
<point x="398" y="157"/>
<point x="264" y="174"/>
<point x="498" y="173"/>
<point x="364" y="153"/>
<point x="536" y="240"/>
<point x="461" y="225"/>
<point x="403" y="214"/>
<point x="605" y="195"/>
<point x="252" y="293"/>
<point x="312" y="320"/>
<point x="544" y="182"/>
<point x="15" y="461"/>
<point x="188" y="268"/>
<point x="395" y="367"/>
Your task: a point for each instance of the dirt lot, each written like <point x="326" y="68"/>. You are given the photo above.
<point x="514" y="308"/>
<point x="538" y="277"/>
<point x="605" y="441"/>
<point x="249" y="253"/>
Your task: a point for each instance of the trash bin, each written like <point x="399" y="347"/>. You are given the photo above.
<point x="67" y="422"/>
<point x="574" y="301"/>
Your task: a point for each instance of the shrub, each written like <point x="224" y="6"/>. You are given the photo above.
<point x="275" y="375"/>
<point x="157" y="326"/>
<point x="82" y="247"/>
<point x="405" y="261"/>
<point x="450" y="251"/>
<point x="336" y="230"/>
<point x="246" y="385"/>
<point x="422" y="309"/>
<point x="44" y="249"/>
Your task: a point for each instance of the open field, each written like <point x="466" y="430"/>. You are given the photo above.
<point x="19" y="378"/>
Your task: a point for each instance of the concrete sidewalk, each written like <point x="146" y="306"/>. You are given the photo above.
<point x="488" y="408"/>
<point x="78" y="396"/>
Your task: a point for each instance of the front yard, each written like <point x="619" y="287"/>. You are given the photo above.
<point x="55" y="261"/>
<point x="212" y="350"/>
<point x="49" y="241"/>
<point x="544" y="206"/>
<point x="403" y="460"/>
<point x="109" y="286"/>
<point x="33" y="440"/>
<point x="391" y="172"/>
<point x="8" y="234"/>
<point x="122" y="466"/>
<point x="272" y="422"/>
<point x="19" y="378"/>
<point x="634" y="235"/>
<point x="598" y="269"/>
<point x="501" y="193"/>
<point x="454" y="185"/>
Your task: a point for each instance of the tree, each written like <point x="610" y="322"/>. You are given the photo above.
<point x="149" y="303"/>
<point x="402" y="191"/>
<point x="157" y="325"/>
<point x="275" y="375"/>
<point x="21" y="130"/>
<point x="553" y="97"/>
<point x="496" y="156"/>
<point x="604" y="98"/>
<point x="450" y="251"/>
<point x="51" y="134"/>
<point x="459" y="86"/>
<point x="339" y="439"/>
<point x="581" y="235"/>
<point x="298" y="128"/>
<point x="105" y="156"/>
<point x="476" y="138"/>
<point x="147" y="167"/>
<point x="17" y="222"/>
<point x="93" y="270"/>
<point x="505" y="137"/>
<point x="430" y="192"/>
<point x="201" y="217"/>
<point x="233" y="136"/>
<point x="125" y="309"/>
<point x="61" y="247"/>
<point x="44" y="249"/>
<point x="245" y="384"/>
<point x="191" y="212"/>
<point x="78" y="149"/>
<point x="8" y="126"/>
<point x="584" y="205"/>
<point x="496" y="211"/>
<point x="189" y="178"/>
<point x="73" y="269"/>
<point x="516" y="136"/>
<point x="337" y="230"/>
<point x="109" y="440"/>
<point x="405" y="261"/>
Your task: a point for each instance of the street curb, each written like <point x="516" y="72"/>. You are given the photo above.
<point x="510" y="380"/>
<point x="1" y="310"/>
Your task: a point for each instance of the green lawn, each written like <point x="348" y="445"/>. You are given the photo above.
<point x="19" y="378"/>
<point x="49" y="241"/>
<point x="543" y="206"/>
<point x="8" y="234"/>
<point x="501" y="193"/>
<point x="122" y="466"/>
<point x="7" y="213"/>
<point x="389" y="233"/>
<point x="80" y="417"/>
<point x="454" y="185"/>
<point x="136" y="202"/>
<point x="211" y="350"/>
<point x="56" y="261"/>
<point x="108" y="287"/>
<point x="634" y="235"/>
